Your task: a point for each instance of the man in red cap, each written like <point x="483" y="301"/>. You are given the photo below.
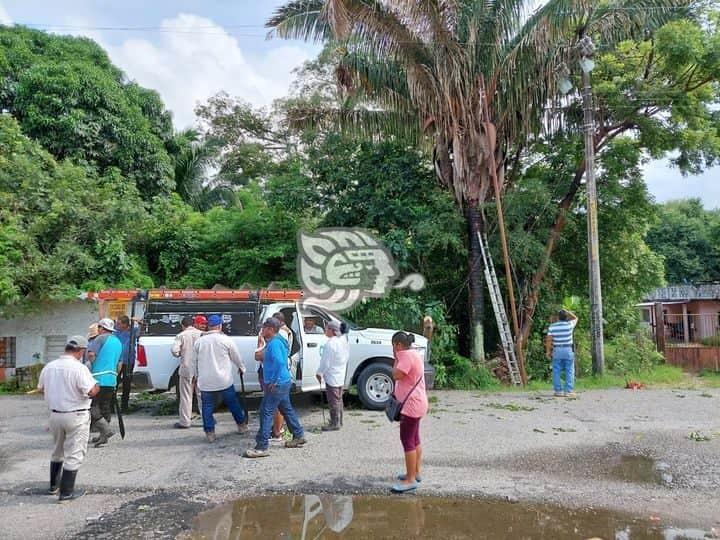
<point x="200" y="322"/>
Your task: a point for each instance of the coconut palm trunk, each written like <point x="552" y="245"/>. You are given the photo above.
<point x="476" y="282"/>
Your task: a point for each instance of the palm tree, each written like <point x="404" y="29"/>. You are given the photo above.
<point x="429" y="68"/>
<point x="194" y="182"/>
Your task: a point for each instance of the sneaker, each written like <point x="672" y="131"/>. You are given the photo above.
<point x="570" y="395"/>
<point x="295" y="443"/>
<point x="178" y="425"/>
<point x="559" y="394"/>
<point x="242" y="428"/>
<point x="210" y="436"/>
<point x="330" y="427"/>
<point x="253" y="453"/>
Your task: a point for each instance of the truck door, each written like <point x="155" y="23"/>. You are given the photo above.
<point x="309" y="325"/>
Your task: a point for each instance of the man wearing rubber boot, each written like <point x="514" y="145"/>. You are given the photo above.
<point x="104" y="369"/>
<point x="68" y="387"/>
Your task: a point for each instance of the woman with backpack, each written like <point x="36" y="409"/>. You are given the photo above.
<point x="409" y="374"/>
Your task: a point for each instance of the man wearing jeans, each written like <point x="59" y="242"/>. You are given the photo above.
<point x="559" y="347"/>
<point x="277" y="396"/>
<point x="213" y="361"/>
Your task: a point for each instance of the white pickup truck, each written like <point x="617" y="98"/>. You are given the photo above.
<point x="371" y="355"/>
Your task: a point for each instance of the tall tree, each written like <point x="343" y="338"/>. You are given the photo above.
<point x="68" y="96"/>
<point x="430" y="68"/>
<point x="686" y="235"/>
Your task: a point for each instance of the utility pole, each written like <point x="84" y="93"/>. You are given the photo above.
<point x="586" y="50"/>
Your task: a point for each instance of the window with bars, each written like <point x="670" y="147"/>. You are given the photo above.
<point x="7" y="352"/>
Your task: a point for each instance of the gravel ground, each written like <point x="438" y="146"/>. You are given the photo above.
<point x="617" y="449"/>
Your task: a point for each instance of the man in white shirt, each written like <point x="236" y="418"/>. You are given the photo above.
<point x="333" y="365"/>
<point x="214" y="356"/>
<point x="68" y="386"/>
<point x="183" y="348"/>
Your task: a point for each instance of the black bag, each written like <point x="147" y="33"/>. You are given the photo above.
<point x="393" y="407"/>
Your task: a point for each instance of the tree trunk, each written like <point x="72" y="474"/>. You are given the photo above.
<point x="533" y="297"/>
<point x="477" y="292"/>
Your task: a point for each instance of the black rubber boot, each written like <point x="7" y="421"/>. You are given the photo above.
<point x="55" y="472"/>
<point x="67" y="487"/>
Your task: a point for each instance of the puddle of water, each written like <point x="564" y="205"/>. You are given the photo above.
<point x="636" y="469"/>
<point x="307" y="517"/>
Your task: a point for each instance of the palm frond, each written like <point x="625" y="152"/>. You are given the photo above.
<point x="300" y="19"/>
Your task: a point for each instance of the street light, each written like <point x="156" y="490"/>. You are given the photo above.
<point x="586" y="50"/>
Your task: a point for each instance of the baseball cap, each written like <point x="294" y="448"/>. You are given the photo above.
<point x="77" y="342"/>
<point x="272" y="322"/>
<point x="199" y="319"/>
<point x="214" y="320"/>
<point x="92" y="331"/>
<point x="107" y="324"/>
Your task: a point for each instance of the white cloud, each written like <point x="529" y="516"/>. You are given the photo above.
<point x="666" y="183"/>
<point x="188" y="67"/>
<point x="4" y="16"/>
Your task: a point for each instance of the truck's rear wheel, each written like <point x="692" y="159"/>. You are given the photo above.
<point x="375" y="385"/>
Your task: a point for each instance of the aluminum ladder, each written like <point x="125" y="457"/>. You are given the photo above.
<point x="500" y="313"/>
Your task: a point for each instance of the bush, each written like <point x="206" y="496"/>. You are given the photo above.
<point x="406" y="312"/>
<point x="463" y="374"/>
<point x="711" y="341"/>
<point x="631" y="354"/>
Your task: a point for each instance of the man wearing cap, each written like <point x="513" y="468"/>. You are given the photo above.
<point x="277" y="395"/>
<point x="214" y="355"/>
<point x="200" y="322"/>
<point x="559" y="347"/>
<point x="68" y="387"/>
<point x="183" y="348"/>
<point x="333" y="364"/>
<point x="105" y="366"/>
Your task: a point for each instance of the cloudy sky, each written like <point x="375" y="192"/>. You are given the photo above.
<point x="189" y="50"/>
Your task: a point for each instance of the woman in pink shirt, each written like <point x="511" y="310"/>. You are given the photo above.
<point x="409" y="375"/>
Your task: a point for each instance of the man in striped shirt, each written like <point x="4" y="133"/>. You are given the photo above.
<point x="559" y="347"/>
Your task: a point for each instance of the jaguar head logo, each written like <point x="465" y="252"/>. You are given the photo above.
<point x="340" y="267"/>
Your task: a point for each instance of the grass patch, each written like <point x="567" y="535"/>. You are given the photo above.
<point x="710" y="379"/>
<point x="514" y="407"/>
<point x="433" y="399"/>
<point x="11" y="387"/>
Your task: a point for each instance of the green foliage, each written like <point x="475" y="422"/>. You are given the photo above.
<point x="69" y="97"/>
<point x="711" y="341"/>
<point x="688" y="238"/>
<point x="631" y="354"/>
<point x="61" y="225"/>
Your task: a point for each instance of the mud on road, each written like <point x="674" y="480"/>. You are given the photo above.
<point x="642" y="453"/>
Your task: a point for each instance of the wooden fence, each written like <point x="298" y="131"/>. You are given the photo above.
<point x="693" y="358"/>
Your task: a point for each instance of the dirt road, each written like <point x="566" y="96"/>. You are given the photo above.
<point x="637" y="451"/>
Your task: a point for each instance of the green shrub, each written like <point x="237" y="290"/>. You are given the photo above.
<point x="463" y="374"/>
<point x="631" y="354"/>
<point x="711" y="341"/>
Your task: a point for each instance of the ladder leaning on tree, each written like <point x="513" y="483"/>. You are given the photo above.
<point x="500" y="313"/>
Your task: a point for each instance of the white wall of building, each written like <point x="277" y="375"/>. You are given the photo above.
<point x="32" y="331"/>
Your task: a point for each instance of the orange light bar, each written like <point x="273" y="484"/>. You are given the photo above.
<point x="195" y="294"/>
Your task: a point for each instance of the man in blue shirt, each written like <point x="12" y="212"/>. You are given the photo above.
<point x="559" y="347"/>
<point x="277" y="396"/>
<point x="105" y="365"/>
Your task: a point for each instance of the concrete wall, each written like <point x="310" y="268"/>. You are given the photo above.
<point x="31" y="331"/>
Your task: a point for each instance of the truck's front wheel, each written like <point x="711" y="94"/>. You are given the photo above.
<point x="375" y="385"/>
